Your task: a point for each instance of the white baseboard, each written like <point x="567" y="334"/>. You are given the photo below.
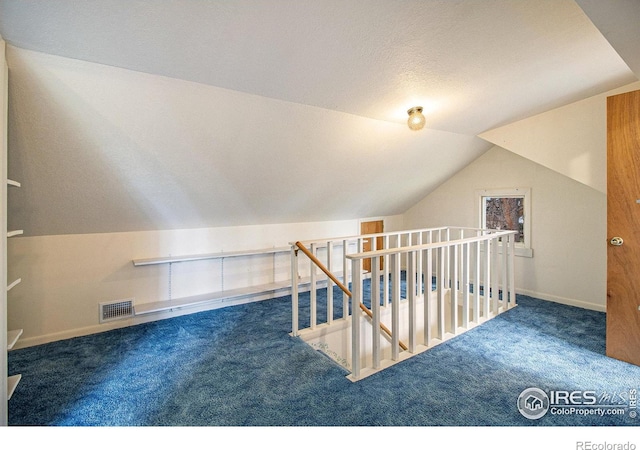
<point x="563" y="300"/>
<point x="152" y="317"/>
<point x="137" y="320"/>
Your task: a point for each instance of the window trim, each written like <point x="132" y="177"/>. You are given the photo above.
<point x="522" y="249"/>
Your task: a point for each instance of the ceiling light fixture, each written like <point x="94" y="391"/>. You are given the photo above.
<point x="416" y="119"/>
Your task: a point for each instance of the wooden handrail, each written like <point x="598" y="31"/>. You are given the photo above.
<point x="344" y="289"/>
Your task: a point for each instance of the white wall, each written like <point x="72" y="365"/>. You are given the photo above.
<point x="65" y="277"/>
<point x="568" y="222"/>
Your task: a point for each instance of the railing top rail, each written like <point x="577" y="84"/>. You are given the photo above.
<point x="387" y="233"/>
<point x="494" y="235"/>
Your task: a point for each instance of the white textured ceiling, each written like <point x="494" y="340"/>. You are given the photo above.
<point x="473" y="64"/>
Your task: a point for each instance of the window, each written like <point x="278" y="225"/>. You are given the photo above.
<point x="508" y="209"/>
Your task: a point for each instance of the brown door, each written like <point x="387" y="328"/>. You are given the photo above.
<point x="623" y="227"/>
<point x="376" y="226"/>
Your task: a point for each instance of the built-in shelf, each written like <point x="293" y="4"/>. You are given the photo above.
<point x="202" y="299"/>
<point x="12" y="338"/>
<point x="221" y="296"/>
<point x="281" y="287"/>
<point x="12" y="383"/>
<point x="220" y="255"/>
<point x="14" y="284"/>
<point x="8" y="337"/>
<point x="230" y="295"/>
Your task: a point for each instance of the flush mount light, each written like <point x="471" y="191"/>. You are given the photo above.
<point x="416" y="119"/>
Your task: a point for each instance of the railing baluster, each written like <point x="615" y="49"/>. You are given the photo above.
<point x="356" y="315"/>
<point x="375" y="310"/>
<point x="503" y="279"/>
<point x="411" y="298"/>
<point x="487" y="278"/>
<point x="454" y="288"/>
<point x="385" y="275"/>
<point x="409" y="243"/>
<point x="428" y="275"/>
<point x="294" y="290"/>
<point x="440" y="286"/>
<point x="395" y="306"/>
<point x="419" y="288"/>
<point x="476" y="285"/>
<point x="312" y="293"/>
<point x="512" y="276"/>
<point x="345" y="278"/>
<point x="447" y="238"/>
<point x="495" y="288"/>
<point x="465" y="286"/>
<point x="329" y="283"/>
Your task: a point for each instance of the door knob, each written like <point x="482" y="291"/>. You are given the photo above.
<point x="617" y="241"/>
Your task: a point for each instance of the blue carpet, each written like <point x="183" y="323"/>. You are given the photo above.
<point x="238" y="366"/>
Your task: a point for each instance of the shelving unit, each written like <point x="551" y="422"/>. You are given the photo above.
<point x="223" y="295"/>
<point x="12" y="335"/>
<point x="200" y="257"/>
<point x="6" y="385"/>
<point x="8" y="339"/>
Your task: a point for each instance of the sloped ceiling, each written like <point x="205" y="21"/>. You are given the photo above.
<point x="618" y="20"/>
<point x="136" y="115"/>
<point x="572" y="139"/>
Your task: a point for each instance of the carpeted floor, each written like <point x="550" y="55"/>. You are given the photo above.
<point x="238" y="366"/>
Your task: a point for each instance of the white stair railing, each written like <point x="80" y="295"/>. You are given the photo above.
<point x="473" y="270"/>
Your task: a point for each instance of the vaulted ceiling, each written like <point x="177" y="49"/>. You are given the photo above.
<point x="134" y="115"/>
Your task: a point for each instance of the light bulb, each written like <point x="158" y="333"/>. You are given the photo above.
<point x="416" y="119"/>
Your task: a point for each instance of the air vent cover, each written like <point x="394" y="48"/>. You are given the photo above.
<point x="120" y="309"/>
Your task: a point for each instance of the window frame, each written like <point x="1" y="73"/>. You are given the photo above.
<point x="522" y="249"/>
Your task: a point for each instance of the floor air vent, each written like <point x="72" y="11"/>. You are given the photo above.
<point x="119" y="309"/>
